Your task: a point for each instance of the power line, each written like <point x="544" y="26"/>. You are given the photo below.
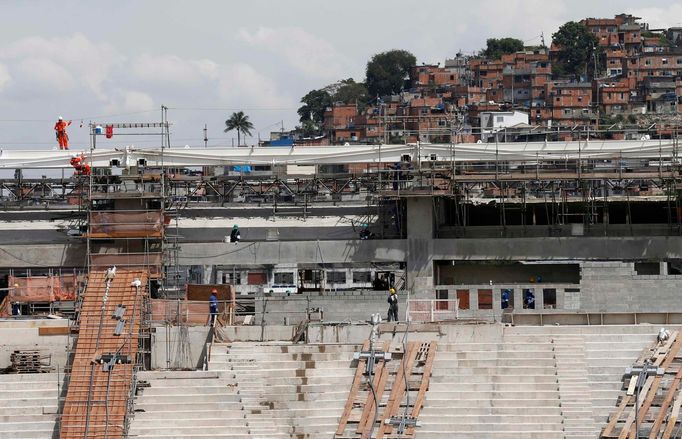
<point x="232" y="109"/>
<point x="81" y="117"/>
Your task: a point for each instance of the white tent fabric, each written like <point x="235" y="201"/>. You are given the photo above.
<point x="307" y="155"/>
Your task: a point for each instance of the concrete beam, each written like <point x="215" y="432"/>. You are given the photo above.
<point x="574" y="248"/>
<point x="286" y="252"/>
<point x="43" y="255"/>
<point x="362" y="252"/>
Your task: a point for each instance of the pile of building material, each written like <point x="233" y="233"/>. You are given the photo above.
<point x="387" y="395"/>
<point x="30" y="362"/>
<point x="652" y="399"/>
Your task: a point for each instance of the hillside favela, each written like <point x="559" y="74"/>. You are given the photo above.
<point x="263" y="221"/>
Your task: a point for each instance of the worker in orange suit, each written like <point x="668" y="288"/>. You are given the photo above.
<point x="60" y="131"/>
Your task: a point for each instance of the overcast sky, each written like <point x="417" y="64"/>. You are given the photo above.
<point x="120" y="61"/>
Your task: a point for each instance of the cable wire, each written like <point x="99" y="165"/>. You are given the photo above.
<point x="407" y="386"/>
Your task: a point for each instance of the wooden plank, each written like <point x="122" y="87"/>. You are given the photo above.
<point x="367" y="420"/>
<point x="631" y="386"/>
<point x="426" y="378"/>
<point x="353" y="392"/>
<point x="663" y="410"/>
<point x="398" y="389"/>
<point x="673" y="417"/>
<point x="631" y="417"/>
<point x="615" y="416"/>
<point x="666" y="360"/>
<point x="56" y="330"/>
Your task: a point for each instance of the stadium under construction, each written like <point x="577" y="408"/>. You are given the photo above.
<point x="533" y="282"/>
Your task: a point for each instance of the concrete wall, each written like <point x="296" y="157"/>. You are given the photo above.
<point x="420" y="245"/>
<point x="336" y="307"/>
<point x="386" y="250"/>
<point x="17" y="334"/>
<point x="167" y="344"/>
<point x="481" y="273"/>
<point x="616" y="286"/>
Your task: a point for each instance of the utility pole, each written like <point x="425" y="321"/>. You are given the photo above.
<point x="205" y="136"/>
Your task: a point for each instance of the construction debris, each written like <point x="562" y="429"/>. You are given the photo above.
<point x="30" y="361"/>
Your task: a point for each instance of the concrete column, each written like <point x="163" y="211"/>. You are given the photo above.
<point x="663" y="268"/>
<point x="207" y="274"/>
<point x="518" y="298"/>
<point x="497" y="300"/>
<point x="420" y="229"/>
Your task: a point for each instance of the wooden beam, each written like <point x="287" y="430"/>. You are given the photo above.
<point x="426" y="378"/>
<point x="393" y="404"/>
<point x="353" y="392"/>
<point x="667" y="359"/>
<point x="673" y="417"/>
<point x="53" y="330"/>
<point x="370" y="407"/>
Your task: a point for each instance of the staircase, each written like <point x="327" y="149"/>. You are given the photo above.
<point x="288" y="390"/>
<point x="500" y="389"/>
<point x="192" y="404"/>
<point x="574" y="387"/>
<point x="28" y="405"/>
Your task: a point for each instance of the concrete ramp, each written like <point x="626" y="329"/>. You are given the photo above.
<point x="97" y="399"/>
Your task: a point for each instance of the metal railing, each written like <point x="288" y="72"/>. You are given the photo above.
<point x="432" y="310"/>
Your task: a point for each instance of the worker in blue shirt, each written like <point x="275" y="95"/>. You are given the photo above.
<point x="213" y="306"/>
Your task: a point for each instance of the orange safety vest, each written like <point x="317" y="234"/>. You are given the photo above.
<point x="61" y="125"/>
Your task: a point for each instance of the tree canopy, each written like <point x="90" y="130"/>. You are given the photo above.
<point x="351" y="92"/>
<point x="315" y="102"/>
<point x="496" y="47"/>
<point x="386" y="71"/>
<point x="576" y="45"/>
<point x="240" y="122"/>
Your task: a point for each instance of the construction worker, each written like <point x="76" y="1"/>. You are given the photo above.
<point x="506" y="296"/>
<point x="78" y="163"/>
<point x="392" y="305"/>
<point x="235" y="235"/>
<point x="213" y="307"/>
<point x="60" y="131"/>
<point x="365" y="233"/>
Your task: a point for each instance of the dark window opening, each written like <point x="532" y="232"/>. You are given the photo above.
<point x="647" y="268"/>
<point x="549" y="298"/>
<point x="485" y="299"/>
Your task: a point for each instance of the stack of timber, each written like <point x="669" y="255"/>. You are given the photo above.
<point x="655" y="409"/>
<point x="30" y="361"/>
<point x="399" y="386"/>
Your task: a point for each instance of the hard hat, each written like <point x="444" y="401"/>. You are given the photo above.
<point x="214" y="290"/>
<point x="61" y="118"/>
<point x="392" y="290"/>
<point x="235" y="226"/>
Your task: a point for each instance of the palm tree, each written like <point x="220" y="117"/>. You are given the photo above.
<point x="240" y="122"/>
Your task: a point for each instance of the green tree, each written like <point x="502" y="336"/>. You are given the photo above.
<point x="576" y="45"/>
<point x="351" y="92"/>
<point x="386" y="71"/>
<point x="308" y="128"/>
<point x="314" y="105"/>
<point x="496" y="47"/>
<point x="240" y="122"/>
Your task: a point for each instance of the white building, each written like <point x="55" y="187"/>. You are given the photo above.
<point x="493" y="122"/>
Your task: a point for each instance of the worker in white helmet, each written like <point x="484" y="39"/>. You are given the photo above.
<point x="60" y="131"/>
